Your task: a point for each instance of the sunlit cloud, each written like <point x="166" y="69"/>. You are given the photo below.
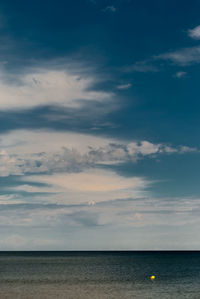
<point x="48" y="87"/>
<point x="24" y="151"/>
<point x="94" y="185"/>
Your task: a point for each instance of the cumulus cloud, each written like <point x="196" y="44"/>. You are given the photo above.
<point x="194" y="33"/>
<point x="26" y="152"/>
<point x="9" y="164"/>
<point x="47" y="87"/>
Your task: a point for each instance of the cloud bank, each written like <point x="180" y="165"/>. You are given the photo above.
<point x="26" y="151"/>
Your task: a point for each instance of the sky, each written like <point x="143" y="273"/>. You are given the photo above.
<point x="99" y="125"/>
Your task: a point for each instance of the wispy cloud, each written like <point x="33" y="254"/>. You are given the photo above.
<point x="147" y="214"/>
<point x="184" y="57"/>
<point x="124" y="86"/>
<point x="180" y="74"/>
<point x="194" y="33"/>
<point x="110" y="8"/>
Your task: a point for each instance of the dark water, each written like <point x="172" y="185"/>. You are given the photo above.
<point x="99" y="275"/>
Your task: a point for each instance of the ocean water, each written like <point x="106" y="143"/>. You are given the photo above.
<point x="102" y="275"/>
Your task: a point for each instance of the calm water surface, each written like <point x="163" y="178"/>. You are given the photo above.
<point x="99" y="275"/>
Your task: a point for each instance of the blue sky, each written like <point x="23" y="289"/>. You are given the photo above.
<point x="99" y="134"/>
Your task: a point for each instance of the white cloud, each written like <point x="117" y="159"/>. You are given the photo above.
<point x="180" y="74"/>
<point x="94" y="185"/>
<point x="147" y="148"/>
<point x="187" y="149"/>
<point x="94" y="180"/>
<point x="185" y="56"/>
<point x="194" y="33"/>
<point x="25" y="151"/>
<point x="124" y="86"/>
<point x="9" y="165"/>
<point x="144" y="148"/>
<point x="37" y="141"/>
<point x="43" y="86"/>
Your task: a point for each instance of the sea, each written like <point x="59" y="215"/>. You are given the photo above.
<point x="100" y="274"/>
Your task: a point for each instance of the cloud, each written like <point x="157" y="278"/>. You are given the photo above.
<point x="180" y="74"/>
<point x="187" y="149"/>
<point x="48" y="87"/>
<point x="110" y="8"/>
<point x="9" y="165"/>
<point x="194" y="33"/>
<point x="184" y="57"/>
<point x="94" y="180"/>
<point x="124" y="86"/>
<point x="93" y="185"/>
<point x="129" y="212"/>
<point x="144" y="217"/>
<point x="32" y="141"/>
<point x="24" y="151"/>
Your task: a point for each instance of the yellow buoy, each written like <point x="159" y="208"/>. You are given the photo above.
<point x="152" y="277"/>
